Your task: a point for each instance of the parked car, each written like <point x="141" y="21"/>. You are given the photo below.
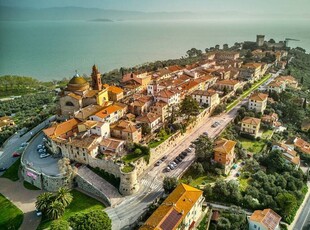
<point x="41" y="150"/>
<point x="181" y="156"/>
<point x="184" y="153"/>
<point x="164" y="158"/>
<point x="176" y="161"/>
<point x="205" y="133"/>
<point x="167" y="169"/>
<point x="214" y="125"/>
<point x="192" y="145"/>
<point x="3" y="169"/>
<point x="157" y="163"/>
<point x="24" y="144"/>
<point x="39" y="146"/>
<point x="16" y="154"/>
<point x="43" y="155"/>
<point x="188" y="150"/>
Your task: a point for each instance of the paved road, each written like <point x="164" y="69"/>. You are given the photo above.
<point x="24" y="199"/>
<point x="127" y="212"/>
<point x="13" y="144"/>
<point x="303" y="221"/>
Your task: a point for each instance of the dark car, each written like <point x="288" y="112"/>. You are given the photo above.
<point x="184" y="153"/>
<point x="16" y="154"/>
<point x="3" y="169"/>
<point x="164" y="158"/>
<point x="176" y="161"/>
<point x="181" y="156"/>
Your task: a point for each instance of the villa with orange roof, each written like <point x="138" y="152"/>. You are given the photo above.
<point x="160" y="108"/>
<point x="115" y="93"/>
<point x="224" y="153"/>
<point x="250" y="125"/>
<point x="258" y="102"/>
<point x="300" y="145"/>
<point x="276" y="86"/>
<point x="288" y="153"/>
<point x="180" y="210"/>
<point x="265" y="219"/>
<point x="289" y="80"/>
<point x="142" y="79"/>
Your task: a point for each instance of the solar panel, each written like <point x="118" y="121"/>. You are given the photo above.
<point x="171" y="220"/>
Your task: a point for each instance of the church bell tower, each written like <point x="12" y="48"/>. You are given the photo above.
<point x="96" y="79"/>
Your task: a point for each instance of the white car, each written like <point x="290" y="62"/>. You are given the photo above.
<point x="44" y="155"/>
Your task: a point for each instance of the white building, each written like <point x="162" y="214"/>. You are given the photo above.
<point x="265" y="219"/>
<point x="258" y="102"/>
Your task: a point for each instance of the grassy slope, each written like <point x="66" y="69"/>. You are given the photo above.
<point x="80" y="203"/>
<point x="10" y="216"/>
<point x="12" y="172"/>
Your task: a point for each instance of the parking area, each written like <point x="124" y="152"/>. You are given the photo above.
<point x="46" y="164"/>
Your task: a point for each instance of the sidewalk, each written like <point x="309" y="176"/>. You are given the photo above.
<point x="24" y="199"/>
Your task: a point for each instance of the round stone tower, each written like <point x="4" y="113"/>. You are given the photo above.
<point x="129" y="182"/>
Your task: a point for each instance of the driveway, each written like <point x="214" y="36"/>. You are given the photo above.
<point x="24" y="199"/>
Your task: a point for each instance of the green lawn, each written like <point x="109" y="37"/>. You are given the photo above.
<point x="80" y="203"/>
<point x="197" y="179"/>
<point x="10" y="216"/>
<point x="12" y="172"/>
<point x="255" y="146"/>
<point x="243" y="184"/>
<point x="29" y="186"/>
<point x="247" y="92"/>
<point x="155" y="143"/>
<point x="128" y="168"/>
<point x="131" y="157"/>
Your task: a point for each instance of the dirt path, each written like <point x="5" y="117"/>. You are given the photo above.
<point x="24" y="199"/>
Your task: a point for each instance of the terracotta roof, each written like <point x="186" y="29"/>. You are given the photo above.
<point x="270" y="117"/>
<point x="87" y="111"/>
<point x="267" y="217"/>
<point x="107" y="111"/>
<point x="75" y="96"/>
<point x="303" y="146"/>
<point x="148" y="118"/>
<point x="166" y="93"/>
<point x="259" y="96"/>
<point x="275" y="84"/>
<point x="252" y="65"/>
<point x="91" y="93"/>
<point x="251" y="121"/>
<point x="224" y="146"/>
<point x="288" y="78"/>
<point x="61" y="128"/>
<point x="204" y="93"/>
<point x="88" y="142"/>
<point x="125" y="126"/>
<point x="160" y="104"/>
<point x="174" y="68"/>
<point x="173" y="210"/>
<point x="111" y="143"/>
<point x="89" y="124"/>
<point x="115" y="89"/>
<point x="228" y="82"/>
<point x="287" y="149"/>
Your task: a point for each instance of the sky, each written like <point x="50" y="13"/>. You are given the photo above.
<point x="296" y="7"/>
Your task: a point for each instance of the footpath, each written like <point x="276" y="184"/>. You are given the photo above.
<point x="23" y="199"/>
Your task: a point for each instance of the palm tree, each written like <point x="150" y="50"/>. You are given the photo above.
<point x="64" y="196"/>
<point x="55" y="210"/>
<point x="44" y="200"/>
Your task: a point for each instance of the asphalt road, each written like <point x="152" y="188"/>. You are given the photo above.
<point x="303" y="221"/>
<point x="127" y="212"/>
<point x="13" y="144"/>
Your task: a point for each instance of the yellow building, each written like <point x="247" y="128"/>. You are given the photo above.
<point x="250" y="125"/>
<point x="180" y="210"/>
<point x="224" y="153"/>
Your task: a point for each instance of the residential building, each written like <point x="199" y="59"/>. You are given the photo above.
<point x="227" y="55"/>
<point x="231" y="85"/>
<point x="126" y="130"/>
<point x="6" y="122"/>
<point x="140" y="105"/>
<point x="250" y="125"/>
<point x="111" y="147"/>
<point x="84" y="113"/>
<point x="290" y="81"/>
<point x="141" y="78"/>
<point x="161" y="109"/>
<point x="151" y="119"/>
<point x="271" y="119"/>
<point x="180" y="210"/>
<point x="289" y="153"/>
<point x="206" y="97"/>
<point x="169" y="96"/>
<point x="109" y="114"/>
<point x="115" y="93"/>
<point x="258" y="102"/>
<point x="276" y="86"/>
<point x="299" y="145"/>
<point x="265" y="219"/>
<point x="224" y="153"/>
<point x="251" y="72"/>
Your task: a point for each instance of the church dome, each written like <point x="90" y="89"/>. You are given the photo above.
<point x="77" y="83"/>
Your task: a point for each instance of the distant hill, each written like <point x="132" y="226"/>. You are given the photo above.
<point x="80" y="13"/>
<point x="101" y="20"/>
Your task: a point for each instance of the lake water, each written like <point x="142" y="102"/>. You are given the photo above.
<point x="55" y="49"/>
